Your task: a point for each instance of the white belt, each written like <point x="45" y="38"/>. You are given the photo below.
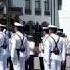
<point x="21" y="54"/>
<point x="56" y="57"/>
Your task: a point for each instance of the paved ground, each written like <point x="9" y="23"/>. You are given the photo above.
<point x="37" y="66"/>
<point x="36" y="63"/>
<point x="68" y="63"/>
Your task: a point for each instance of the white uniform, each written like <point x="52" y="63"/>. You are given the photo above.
<point x="6" y="51"/>
<point x="15" y="44"/>
<point x="68" y="45"/>
<point x="68" y="52"/>
<point x="30" y="61"/>
<point x="2" y="36"/>
<point x="46" y="52"/>
<point x="41" y="48"/>
<point x="56" y="59"/>
<point x="31" y="46"/>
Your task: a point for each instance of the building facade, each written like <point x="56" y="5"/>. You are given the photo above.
<point x="38" y="10"/>
<point x="8" y="12"/>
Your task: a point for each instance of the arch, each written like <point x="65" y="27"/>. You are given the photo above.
<point x="29" y="27"/>
<point x="44" y="24"/>
<point x="30" y="23"/>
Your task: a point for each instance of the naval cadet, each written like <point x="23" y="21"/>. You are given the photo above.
<point x="2" y="40"/>
<point x="61" y="34"/>
<point x="57" y="49"/>
<point x="5" y="48"/>
<point x="45" y="42"/>
<point x="18" y="47"/>
<point x="31" y="46"/>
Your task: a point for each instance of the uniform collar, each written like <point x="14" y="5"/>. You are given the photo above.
<point x="52" y="34"/>
<point x="46" y="35"/>
<point x="18" y="32"/>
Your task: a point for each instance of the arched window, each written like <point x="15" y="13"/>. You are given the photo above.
<point x="29" y="27"/>
<point x="37" y="7"/>
<point x="59" y="4"/>
<point x="44" y="24"/>
<point x="27" y="6"/>
<point x="46" y="7"/>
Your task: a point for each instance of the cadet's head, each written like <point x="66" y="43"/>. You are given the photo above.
<point x="18" y="27"/>
<point x="60" y="32"/>
<point x="2" y="27"/>
<point x="52" y="29"/>
<point x="45" y="30"/>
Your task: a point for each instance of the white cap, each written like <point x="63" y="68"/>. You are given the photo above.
<point x="44" y="28"/>
<point x="18" y="24"/>
<point x="52" y="26"/>
<point x="30" y="36"/>
<point x="1" y="25"/>
<point x="59" y="32"/>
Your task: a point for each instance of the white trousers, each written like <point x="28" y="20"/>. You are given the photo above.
<point x="1" y="65"/>
<point x="22" y="63"/>
<point x="3" y="60"/>
<point x="46" y="66"/>
<point x="16" y="66"/>
<point x="55" y="65"/>
<point x="19" y="64"/>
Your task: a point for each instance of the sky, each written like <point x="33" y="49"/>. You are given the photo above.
<point x="64" y="16"/>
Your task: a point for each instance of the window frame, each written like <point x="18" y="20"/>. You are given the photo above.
<point x="46" y="7"/>
<point x="38" y="9"/>
<point x="59" y="4"/>
<point x="28" y="7"/>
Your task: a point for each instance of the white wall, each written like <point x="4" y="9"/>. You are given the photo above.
<point x="41" y="18"/>
<point x="64" y="16"/>
<point x="55" y="16"/>
<point x="32" y="17"/>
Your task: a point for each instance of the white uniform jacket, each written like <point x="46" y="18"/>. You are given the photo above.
<point x="15" y="43"/>
<point x="46" y="44"/>
<point x="61" y="46"/>
<point x="2" y="38"/>
<point x="31" y="46"/>
<point x="68" y="45"/>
